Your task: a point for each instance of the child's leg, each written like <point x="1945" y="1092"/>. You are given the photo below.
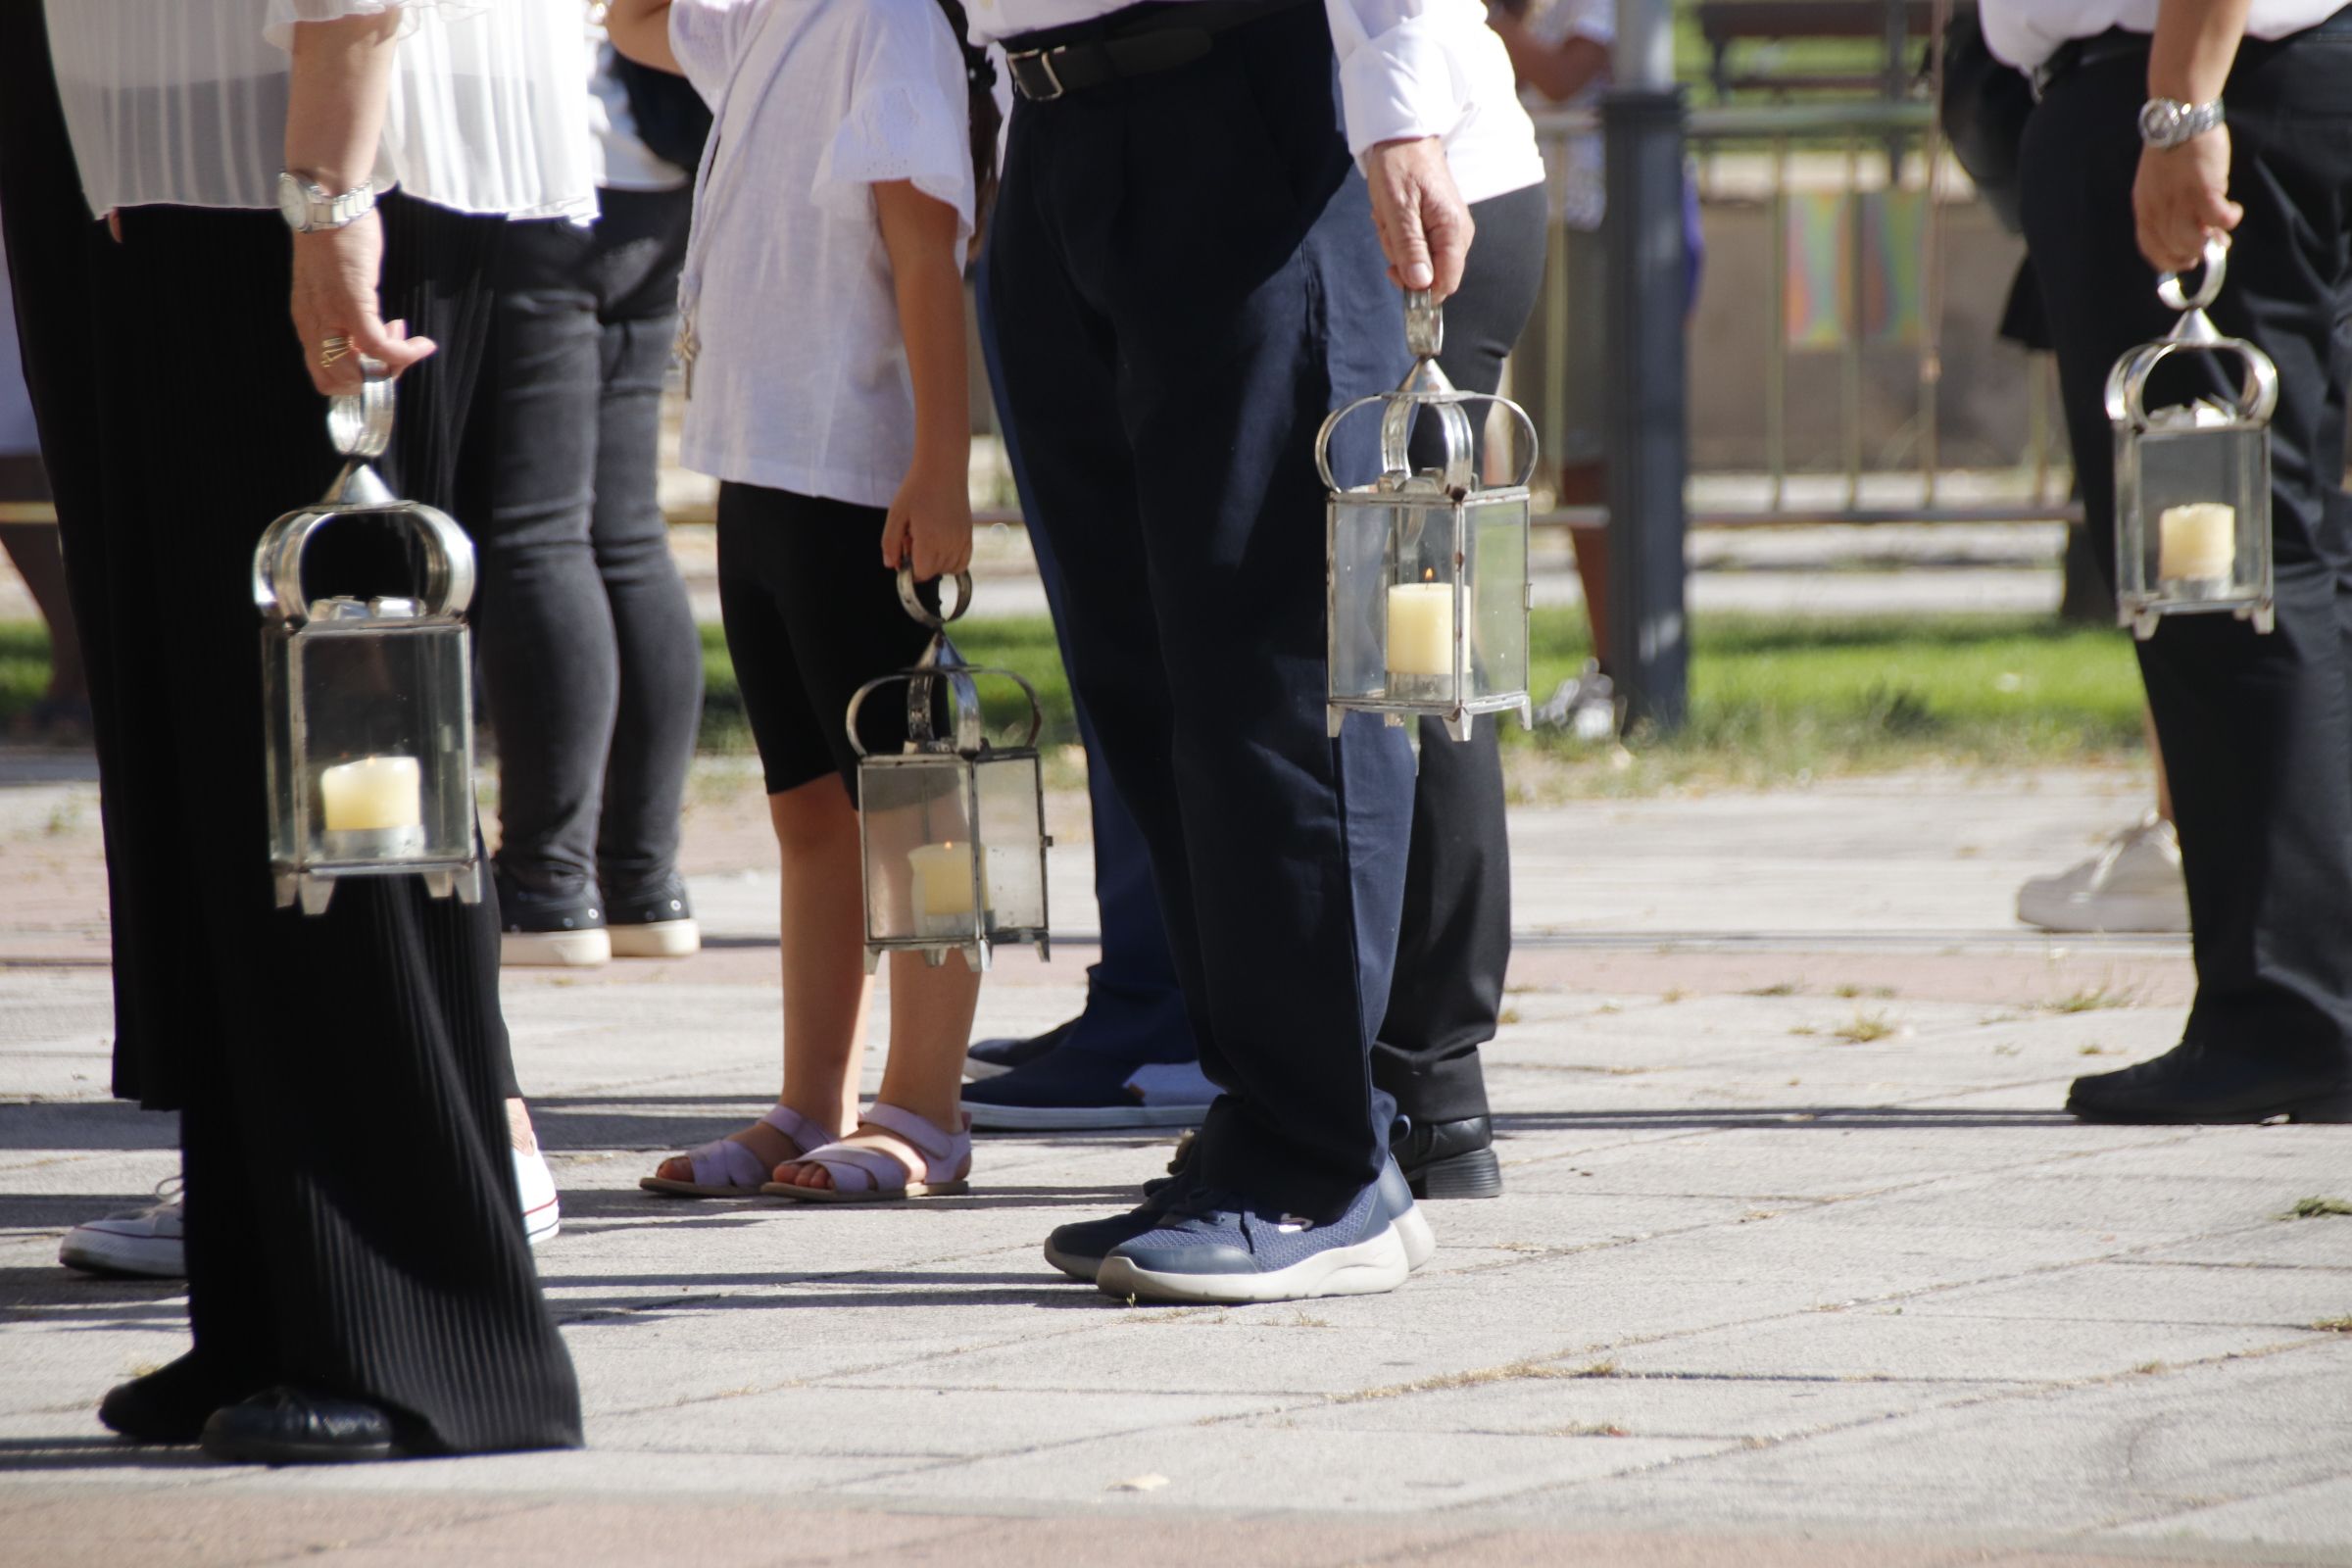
<point x="826" y="989"/>
<point x="930" y="1027"/>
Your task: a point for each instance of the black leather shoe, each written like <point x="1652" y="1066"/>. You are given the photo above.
<point x="2195" y="1083"/>
<point x="1449" y="1158"/>
<point x="287" y="1426"/>
<point x="172" y="1403"/>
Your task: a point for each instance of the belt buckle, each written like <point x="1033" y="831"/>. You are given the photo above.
<point x="1044" y="59"/>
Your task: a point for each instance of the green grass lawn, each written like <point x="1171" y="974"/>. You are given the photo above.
<point x="1772" y="701"/>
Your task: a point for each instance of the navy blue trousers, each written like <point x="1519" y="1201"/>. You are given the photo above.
<point x="1184" y="279"/>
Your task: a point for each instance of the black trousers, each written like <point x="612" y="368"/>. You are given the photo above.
<point x="2256" y="730"/>
<point x="589" y="654"/>
<point x="352" y="1221"/>
<point x="1184" y="281"/>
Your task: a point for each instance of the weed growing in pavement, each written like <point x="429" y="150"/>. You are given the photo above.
<point x="2092" y="999"/>
<point x="2318" y="1208"/>
<point x="2334" y="1324"/>
<point x="1783" y="989"/>
<point x="1865" y="1027"/>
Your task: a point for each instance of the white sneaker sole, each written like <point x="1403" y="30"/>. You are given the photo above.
<point x="1420" y="1242"/>
<point x="154" y="1258"/>
<point x="1371" y="1267"/>
<point x="974" y="1070"/>
<point x="542" y="1223"/>
<point x="2108" y="913"/>
<point x="555" y="950"/>
<point x="656" y="938"/>
<point x="1072" y="1118"/>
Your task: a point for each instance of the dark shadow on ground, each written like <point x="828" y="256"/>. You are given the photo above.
<point x="1786" y="1118"/>
<point x="95" y="1453"/>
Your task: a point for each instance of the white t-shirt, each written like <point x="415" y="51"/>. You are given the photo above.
<point x="1407" y="68"/>
<point x="798" y="371"/>
<point x="2027" y="32"/>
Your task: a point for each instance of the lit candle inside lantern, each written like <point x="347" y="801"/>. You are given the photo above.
<point x="943" y="880"/>
<point x="372" y="794"/>
<point x="1421" y="628"/>
<point x="2199" y="540"/>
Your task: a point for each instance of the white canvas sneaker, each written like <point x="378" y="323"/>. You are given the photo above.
<point x="2133" y="885"/>
<point x="148" y="1242"/>
<point x="145" y="1242"/>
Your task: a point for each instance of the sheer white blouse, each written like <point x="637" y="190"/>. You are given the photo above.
<point x="183" y="102"/>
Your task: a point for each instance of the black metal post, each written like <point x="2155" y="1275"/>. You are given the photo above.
<point x="1648" y="652"/>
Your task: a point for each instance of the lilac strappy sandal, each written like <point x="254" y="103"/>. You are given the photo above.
<point x="864" y="1175"/>
<point x="728" y="1169"/>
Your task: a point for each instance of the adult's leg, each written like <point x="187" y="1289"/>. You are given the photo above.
<point x="640" y="243"/>
<point x="2256" y="729"/>
<point x="550" y="666"/>
<point x="1220" y="320"/>
<point x="1134" y="1007"/>
<point x="1454" y="942"/>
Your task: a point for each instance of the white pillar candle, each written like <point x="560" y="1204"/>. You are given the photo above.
<point x="2199" y="540"/>
<point x="943" y="879"/>
<point x="372" y="794"/>
<point x="1421" y="628"/>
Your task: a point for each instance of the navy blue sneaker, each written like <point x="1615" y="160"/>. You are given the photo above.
<point x="1078" y="1249"/>
<point x="1219" y="1247"/>
<point x="986" y="1058"/>
<point x="1077" y="1088"/>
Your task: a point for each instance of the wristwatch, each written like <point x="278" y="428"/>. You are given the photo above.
<point x="2168" y="122"/>
<point x="307" y="208"/>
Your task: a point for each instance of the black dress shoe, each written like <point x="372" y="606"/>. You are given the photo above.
<point x="172" y="1403"/>
<point x="287" y="1426"/>
<point x="1449" y="1158"/>
<point x="2195" y="1083"/>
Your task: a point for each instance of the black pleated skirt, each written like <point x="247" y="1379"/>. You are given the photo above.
<point x="351" y="1206"/>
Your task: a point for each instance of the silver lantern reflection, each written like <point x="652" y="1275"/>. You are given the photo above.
<point x="2192" y="480"/>
<point x="368" y="703"/>
<point x="952" y="826"/>
<point x="1427" y="573"/>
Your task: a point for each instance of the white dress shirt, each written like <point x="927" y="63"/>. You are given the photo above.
<point x="2027" y="32"/>
<point x="183" y="102"/>
<point x="1407" y="69"/>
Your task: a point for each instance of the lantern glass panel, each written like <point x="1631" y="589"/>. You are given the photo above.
<point x="1361" y="532"/>
<point x="1011" y="840"/>
<point x="2201" y="513"/>
<point x="1495" y="547"/>
<point x="1420" y="603"/>
<point x="378" y="736"/>
<point x="920" y="883"/>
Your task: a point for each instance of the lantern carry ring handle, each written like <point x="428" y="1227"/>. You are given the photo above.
<point x="2209" y="287"/>
<point x="913" y="604"/>
<point x="1452" y="402"/>
<point x="360" y="424"/>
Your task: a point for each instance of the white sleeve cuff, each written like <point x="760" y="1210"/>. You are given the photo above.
<point x="1402" y="83"/>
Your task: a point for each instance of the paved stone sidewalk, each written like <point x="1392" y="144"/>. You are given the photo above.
<point x="1797" y="1264"/>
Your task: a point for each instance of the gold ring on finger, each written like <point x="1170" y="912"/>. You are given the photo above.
<point x="332" y="349"/>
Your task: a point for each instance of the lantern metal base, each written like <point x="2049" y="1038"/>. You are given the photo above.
<point x="2143" y="618"/>
<point x="978" y="953"/>
<point x="315" y="887"/>
<point x="1460" y="720"/>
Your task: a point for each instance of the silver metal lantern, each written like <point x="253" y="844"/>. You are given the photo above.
<point x="368" y="703"/>
<point x="1426" y="569"/>
<point x="952" y="826"/>
<point x="2192" y="480"/>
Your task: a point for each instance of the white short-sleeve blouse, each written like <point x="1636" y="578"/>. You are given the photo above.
<point x="183" y="102"/>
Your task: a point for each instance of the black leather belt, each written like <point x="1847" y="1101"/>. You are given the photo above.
<point x="2118" y="43"/>
<point x="1133" y="42"/>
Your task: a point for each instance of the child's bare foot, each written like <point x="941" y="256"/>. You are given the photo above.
<point x="736" y="1164"/>
<point x="892" y="1153"/>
